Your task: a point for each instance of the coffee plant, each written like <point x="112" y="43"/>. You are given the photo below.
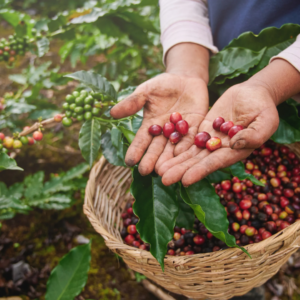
<point x="244" y="203"/>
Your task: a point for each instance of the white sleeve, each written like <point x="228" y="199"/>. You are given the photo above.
<point x="185" y="21"/>
<point x="292" y="55"/>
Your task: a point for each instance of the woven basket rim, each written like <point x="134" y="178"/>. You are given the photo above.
<point x="114" y="243"/>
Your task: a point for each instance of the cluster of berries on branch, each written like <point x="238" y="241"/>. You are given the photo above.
<point x="254" y="212"/>
<point x="11" y="47"/>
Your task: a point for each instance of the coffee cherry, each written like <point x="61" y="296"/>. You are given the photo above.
<point x="199" y="240"/>
<point x="171" y="252"/>
<point x="234" y="130"/>
<point x="168" y="129"/>
<point x="232" y="207"/>
<point x="289" y="209"/>
<point x="175" y="117"/>
<point x="37" y="135"/>
<point x="176" y="236"/>
<point x="217" y="123"/>
<point x="155" y="130"/>
<point x="245" y="204"/>
<point x="213" y="144"/>
<point x="275" y="182"/>
<point x="2" y="136"/>
<point x="201" y="138"/>
<point x="250" y="231"/>
<point x="225" y="127"/>
<point x="17" y="144"/>
<point x="179" y="243"/>
<point x="288" y="193"/>
<point x="131" y="229"/>
<point x="237" y="187"/>
<point x="136" y="244"/>
<point x="24" y="140"/>
<point x="8" y="142"/>
<point x="88" y="116"/>
<point x="235" y="226"/>
<point x="266" y="152"/>
<point x="244" y="240"/>
<point x="127" y="222"/>
<point x="265" y="235"/>
<point x="30" y="141"/>
<point x="268" y="210"/>
<point x="58" y="118"/>
<point x="129" y="239"/>
<point x="66" y="106"/>
<point x="67" y="122"/>
<point x="175" y="137"/>
<point x="182" y="127"/>
<point x="284" y="202"/>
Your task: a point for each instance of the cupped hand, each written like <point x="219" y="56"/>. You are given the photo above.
<point x="160" y="97"/>
<point x="250" y="105"/>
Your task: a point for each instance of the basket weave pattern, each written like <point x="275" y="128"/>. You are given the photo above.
<point x="217" y="275"/>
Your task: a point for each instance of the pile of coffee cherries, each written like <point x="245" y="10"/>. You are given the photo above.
<point x="254" y="212"/>
<point x="11" y="47"/>
<point x="82" y="106"/>
<point x="177" y="128"/>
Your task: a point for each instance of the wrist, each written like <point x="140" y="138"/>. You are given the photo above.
<point x="189" y="60"/>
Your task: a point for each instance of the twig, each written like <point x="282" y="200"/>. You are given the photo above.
<point x="156" y="290"/>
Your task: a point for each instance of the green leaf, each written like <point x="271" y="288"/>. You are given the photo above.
<point x="42" y="46"/>
<point x="21" y="29"/>
<point x="126" y="92"/>
<point x="89" y="140"/>
<point x="238" y="170"/>
<point x="7" y="163"/>
<point x="95" y="82"/>
<point x="90" y="17"/>
<point x="186" y="215"/>
<point x="156" y="206"/>
<point x="10" y="16"/>
<point x="274" y="39"/>
<point x="18" y="78"/>
<point x="66" y="49"/>
<point x="19" y="107"/>
<point x="114" y="154"/>
<point x="129" y="135"/>
<point x="288" y="131"/>
<point x="218" y="176"/>
<point x="75" y="172"/>
<point x="34" y="185"/>
<point x="69" y="277"/>
<point x="202" y="198"/>
<point x="233" y="62"/>
<point x="133" y="123"/>
<point x="56" y="201"/>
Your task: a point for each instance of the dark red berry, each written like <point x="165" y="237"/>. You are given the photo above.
<point x="199" y="240"/>
<point x="288" y="193"/>
<point x="217" y="123"/>
<point x="213" y="144"/>
<point x="131" y="229"/>
<point x="168" y="129"/>
<point x="127" y="222"/>
<point x="284" y="202"/>
<point x="225" y="127"/>
<point x="266" y="235"/>
<point x="175" y="117"/>
<point x="201" y="138"/>
<point x="234" y="130"/>
<point x="171" y="252"/>
<point x="226" y="185"/>
<point x="182" y="127"/>
<point x="155" y="130"/>
<point x="144" y="247"/>
<point x="136" y="244"/>
<point x="245" y="204"/>
<point x="129" y="239"/>
<point x="175" y="137"/>
<point x="130" y="211"/>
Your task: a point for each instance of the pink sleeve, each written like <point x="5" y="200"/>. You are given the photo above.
<point x="292" y="55"/>
<point x="185" y="21"/>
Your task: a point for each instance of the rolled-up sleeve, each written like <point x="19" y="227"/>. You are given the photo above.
<point x="185" y="21"/>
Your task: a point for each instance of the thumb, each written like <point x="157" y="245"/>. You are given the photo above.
<point x="257" y="132"/>
<point x="130" y="105"/>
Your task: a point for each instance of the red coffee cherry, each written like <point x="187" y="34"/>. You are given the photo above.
<point x="30" y="141"/>
<point x="266" y="235"/>
<point x="199" y="239"/>
<point x="175" y="137"/>
<point x="225" y="127"/>
<point x="58" y="118"/>
<point x="2" y="136"/>
<point x="175" y="117"/>
<point x="131" y="229"/>
<point x="234" y="130"/>
<point x="217" y="123"/>
<point x="213" y="144"/>
<point x="168" y="129"/>
<point x="226" y="185"/>
<point x="201" y="138"/>
<point x="182" y="127"/>
<point x="129" y="239"/>
<point x="155" y="130"/>
<point x="37" y="135"/>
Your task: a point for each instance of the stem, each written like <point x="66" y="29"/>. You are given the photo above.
<point x="111" y="121"/>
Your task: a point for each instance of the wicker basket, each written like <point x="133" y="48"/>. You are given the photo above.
<point x="218" y="275"/>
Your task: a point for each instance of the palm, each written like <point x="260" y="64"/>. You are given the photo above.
<point x="252" y="109"/>
<point x="160" y="97"/>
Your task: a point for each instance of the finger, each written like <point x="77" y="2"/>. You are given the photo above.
<point x="149" y="160"/>
<point x="138" y="146"/>
<point x="167" y="154"/>
<point x="176" y="173"/>
<point x="192" y="152"/>
<point x="129" y="106"/>
<point x="186" y="142"/>
<point x="216" y="160"/>
<point x="257" y="132"/>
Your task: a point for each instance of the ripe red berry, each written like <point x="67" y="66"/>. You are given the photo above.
<point x="37" y="135"/>
<point x="238" y="215"/>
<point x="30" y="141"/>
<point x="131" y="229"/>
<point x="168" y="129"/>
<point x="199" y="239"/>
<point x="58" y="118"/>
<point x="234" y="130"/>
<point x="190" y="252"/>
<point x="217" y="123"/>
<point x="171" y="252"/>
<point x="201" y="138"/>
<point x="262" y="197"/>
<point x="250" y="231"/>
<point x="129" y="239"/>
<point x="275" y="182"/>
<point x="237" y="187"/>
<point x="284" y="225"/>
<point x="182" y="127"/>
<point x="175" y="117"/>
<point x="266" y="152"/>
<point x="2" y="136"/>
<point x="284" y="202"/>
<point x="213" y="144"/>
<point x="130" y="211"/>
<point x="144" y="247"/>
<point x="225" y="127"/>
<point x="284" y="149"/>
<point x="243" y="229"/>
<point x="127" y="222"/>
<point x="245" y="204"/>
<point x="209" y="235"/>
<point x="288" y="193"/>
<point x="175" y="137"/>
<point x="176" y="236"/>
<point x="226" y="185"/>
<point x="136" y="244"/>
<point x="271" y="226"/>
<point x="155" y="130"/>
<point x="268" y="210"/>
<point x="266" y="235"/>
<point x="246" y="214"/>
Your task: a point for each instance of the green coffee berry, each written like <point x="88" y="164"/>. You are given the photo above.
<point x="80" y="118"/>
<point x="75" y="94"/>
<point x="95" y="111"/>
<point x="68" y="113"/>
<point x="66" y="106"/>
<point x="79" y="100"/>
<point x="67" y="121"/>
<point x="70" y="98"/>
<point x="72" y="106"/>
<point x="87" y="107"/>
<point x="88" y="115"/>
<point x="24" y="140"/>
<point x="78" y="109"/>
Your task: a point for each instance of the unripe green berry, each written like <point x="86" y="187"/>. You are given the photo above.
<point x="67" y="122"/>
<point x="75" y="94"/>
<point x="98" y="96"/>
<point x="70" y="98"/>
<point x="72" y="106"/>
<point x="24" y="140"/>
<point x="74" y="115"/>
<point x="88" y="107"/>
<point x="88" y="115"/>
<point x="80" y="118"/>
<point x="78" y="110"/>
<point x="83" y="93"/>
<point x="107" y="98"/>
<point x="95" y="111"/>
<point x="1" y="146"/>
<point x="79" y="100"/>
<point x="68" y="113"/>
<point x="98" y="104"/>
<point x="4" y="150"/>
<point x="17" y="144"/>
<point x="66" y="106"/>
<point x="88" y="100"/>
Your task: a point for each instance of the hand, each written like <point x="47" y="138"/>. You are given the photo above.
<point x="160" y="97"/>
<point x="249" y="104"/>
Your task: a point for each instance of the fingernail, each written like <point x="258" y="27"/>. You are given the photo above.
<point x="239" y="144"/>
<point x="130" y="162"/>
